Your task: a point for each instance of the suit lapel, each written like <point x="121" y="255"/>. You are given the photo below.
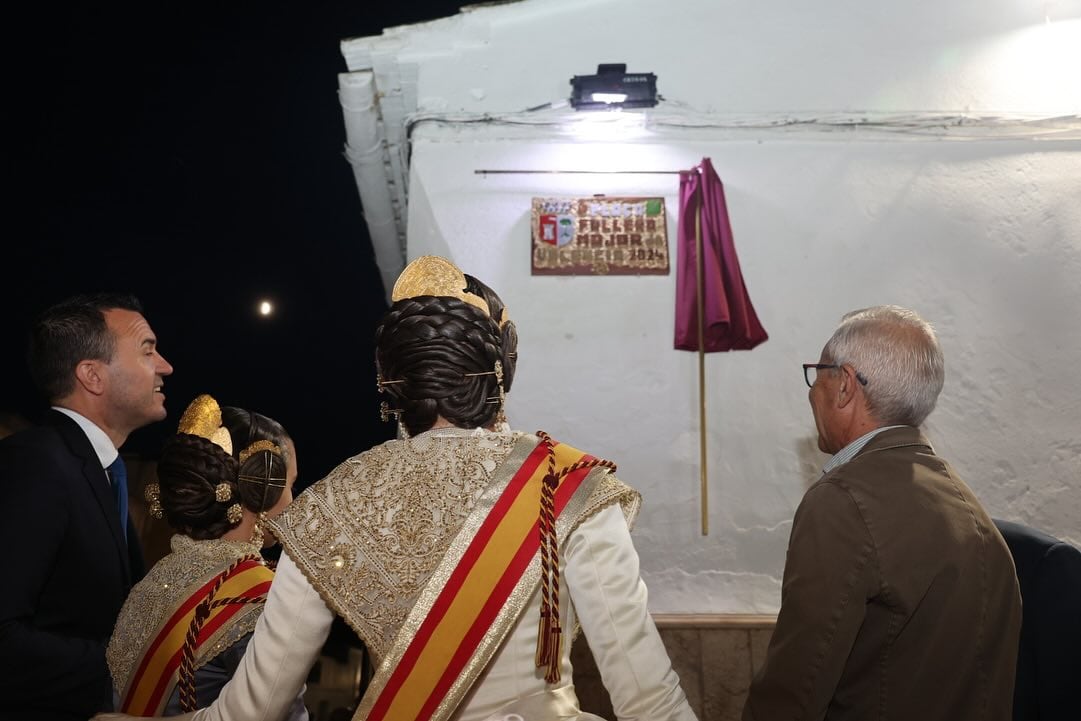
<point x="94" y="475"/>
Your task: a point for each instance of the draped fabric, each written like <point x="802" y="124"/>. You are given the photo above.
<point x="730" y="322"/>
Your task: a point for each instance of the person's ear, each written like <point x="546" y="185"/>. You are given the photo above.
<point x="90" y="374"/>
<point x="846" y="389"/>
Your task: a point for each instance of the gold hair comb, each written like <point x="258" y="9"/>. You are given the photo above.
<point x="203" y="418"/>
<point x="263" y="445"/>
<point x="433" y="275"/>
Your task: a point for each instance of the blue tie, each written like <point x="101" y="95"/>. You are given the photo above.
<point x="118" y="477"/>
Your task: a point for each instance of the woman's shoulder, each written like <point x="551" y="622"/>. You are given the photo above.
<point x="392" y="460"/>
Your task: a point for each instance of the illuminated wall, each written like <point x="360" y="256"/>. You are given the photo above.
<point x="978" y="229"/>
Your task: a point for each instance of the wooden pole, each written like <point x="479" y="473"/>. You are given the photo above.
<point x="699" y="295"/>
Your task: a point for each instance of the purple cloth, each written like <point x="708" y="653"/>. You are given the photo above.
<point x="730" y="320"/>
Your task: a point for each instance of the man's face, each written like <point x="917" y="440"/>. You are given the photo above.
<point x="133" y="394"/>
<point x="821" y="397"/>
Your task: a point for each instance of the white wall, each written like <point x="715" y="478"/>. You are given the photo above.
<point x="982" y="237"/>
<point x="753" y="55"/>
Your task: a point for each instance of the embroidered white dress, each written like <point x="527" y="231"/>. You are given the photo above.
<point x="172" y="580"/>
<point x="370" y="535"/>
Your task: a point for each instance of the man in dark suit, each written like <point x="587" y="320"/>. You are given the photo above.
<point x="69" y="547"/>
<point x="1048" y="669"/>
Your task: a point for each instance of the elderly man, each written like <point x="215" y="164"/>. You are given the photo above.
<point x="899" y="599"/>
<point x="70" y="551"/>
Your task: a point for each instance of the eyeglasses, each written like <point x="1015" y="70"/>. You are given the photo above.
<point x="810" y="372"/>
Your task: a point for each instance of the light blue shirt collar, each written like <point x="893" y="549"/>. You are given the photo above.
<point x="847" y="453"/>
<point x="103" y="447"/>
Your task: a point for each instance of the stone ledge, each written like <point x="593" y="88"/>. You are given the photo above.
<point x="714" y="620"/>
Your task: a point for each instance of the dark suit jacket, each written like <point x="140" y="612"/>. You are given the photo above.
<point x="1049" y="660"/>
<point x="66" y="574"/>
<point x="899" y="599"/>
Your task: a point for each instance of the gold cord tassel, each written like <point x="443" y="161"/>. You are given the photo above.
<point x="550" y="631"/>
<point x="548" y="640"/>
<point x="186" y="681"/>
<point x="554" y="645"/>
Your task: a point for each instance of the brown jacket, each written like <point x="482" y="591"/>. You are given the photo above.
<point x="899" y="598"/>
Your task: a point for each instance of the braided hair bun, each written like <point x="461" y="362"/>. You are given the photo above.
<point x="189" y="471"/>
<point x="262" y="474"/>
<point x="430" y="344"/>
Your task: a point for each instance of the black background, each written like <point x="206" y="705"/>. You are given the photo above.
<point x="191" y="153"/>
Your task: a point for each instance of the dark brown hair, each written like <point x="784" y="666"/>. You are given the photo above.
<point x="260" y="476"/>
<point x="431" y="343"/>
<point x="191" y="468"/>
<point x="71" y="331"/>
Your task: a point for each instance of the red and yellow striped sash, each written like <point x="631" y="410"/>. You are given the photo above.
<point x="152" y="684"/>
<point x="471" y="600"/>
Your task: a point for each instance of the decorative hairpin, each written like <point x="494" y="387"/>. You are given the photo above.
<point x="379" y="383"/>
<point x="269" y="450"/>
<point x="498" y="373"/>
<point x="385" y="412"/>
<point x="272" y="482"/>
<point x="502" y="397"/>
<point x="235" y="514"/>
<point x="266" y="479"/>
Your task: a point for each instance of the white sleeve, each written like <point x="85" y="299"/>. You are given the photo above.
<point x="609" y="598"/>
<point x="288" y="638"/>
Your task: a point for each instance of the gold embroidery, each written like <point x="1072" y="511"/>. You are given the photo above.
<point x="371" y="534"/>
<point x="173" y="578"/>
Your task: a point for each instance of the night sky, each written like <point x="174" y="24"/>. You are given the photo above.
<point x="191" y="153"/>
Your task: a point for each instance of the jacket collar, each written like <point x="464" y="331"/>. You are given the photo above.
<point x="896" y="438"/>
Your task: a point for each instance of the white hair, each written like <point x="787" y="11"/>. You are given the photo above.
<point x="897" y="353"/>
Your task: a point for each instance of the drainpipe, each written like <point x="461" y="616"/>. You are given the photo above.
<point x="364" y="148"/>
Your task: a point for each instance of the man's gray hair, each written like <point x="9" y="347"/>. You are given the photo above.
<point x="898" y="354"/>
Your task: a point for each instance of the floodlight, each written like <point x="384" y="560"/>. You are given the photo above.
<point x="613" y="87"/>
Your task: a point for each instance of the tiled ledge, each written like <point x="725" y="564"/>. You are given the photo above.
<point x="715" y="656"/>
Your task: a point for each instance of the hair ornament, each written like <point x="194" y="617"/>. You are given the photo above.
<point x="258" y="446"/>
<point x="257" y="535"/>
<point x="436" y="276"/>
<point x="235" y="514"/>
<point x="223" y="492"/>
<point x="152" y="494"/>
<point x="203" y="418"/>
<point x="385" y="412"/>
<point x="501" y="398"/>
<point x="267" y="479"/>
<point x="379" y="383"/>
<point x="270" y="481"/>
<point x="498" y="373"/>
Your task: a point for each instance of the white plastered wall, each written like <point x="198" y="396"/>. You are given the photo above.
<point x="982" y="236"/>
